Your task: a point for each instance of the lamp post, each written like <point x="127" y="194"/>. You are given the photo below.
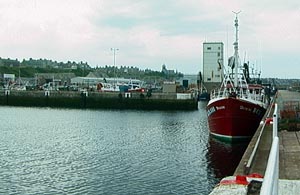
<point x="114" y="51"/>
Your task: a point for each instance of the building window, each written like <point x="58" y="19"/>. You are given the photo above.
<point x="219" y="54"/>
<point x="219" y="48"/>
<point x="209" y="79"/>
<point x="209" y="48"/>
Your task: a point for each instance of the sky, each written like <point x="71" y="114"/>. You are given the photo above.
<point x="150" y="33"/>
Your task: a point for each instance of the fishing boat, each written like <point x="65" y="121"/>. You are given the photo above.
<point x="107" y="87"/>
<point x="236" y="108"/>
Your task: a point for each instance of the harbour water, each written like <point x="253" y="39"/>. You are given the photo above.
<point x="67" y="151"/>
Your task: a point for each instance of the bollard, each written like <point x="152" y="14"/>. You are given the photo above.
<point x="7" y="93"/>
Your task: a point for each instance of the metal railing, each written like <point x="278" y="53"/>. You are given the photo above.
<point x="270" y="182"/>
<point x="224" y="92"/>
<point x="251" y="158"/>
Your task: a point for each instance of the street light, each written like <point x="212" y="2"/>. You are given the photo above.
<point x="114" y="51"/>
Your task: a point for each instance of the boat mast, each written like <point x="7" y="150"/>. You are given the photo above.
<point x="236" y="49"/>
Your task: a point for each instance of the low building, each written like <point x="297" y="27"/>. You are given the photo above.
<point x="169" y="87"/>
<point x="58" y="78"/>
<point x="190" y="81"/>
<point x="95" y="80"/>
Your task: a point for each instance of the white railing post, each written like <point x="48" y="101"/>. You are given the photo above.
<point x="270" y="183"/>
<point x="275" y="122"/>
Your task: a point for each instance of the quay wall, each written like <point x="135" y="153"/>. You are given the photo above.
<point x="96" y="100"/>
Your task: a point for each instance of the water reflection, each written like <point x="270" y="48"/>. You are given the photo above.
<point x="57" y="151"/>
<point x="223" y="157"/>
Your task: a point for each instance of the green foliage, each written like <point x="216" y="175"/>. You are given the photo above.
<point x="28" y="68"/>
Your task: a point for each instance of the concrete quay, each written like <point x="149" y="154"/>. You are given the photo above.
<point x="255" y="159"/>
<point x="289" y="145"/>
<point x="99" y="100"/>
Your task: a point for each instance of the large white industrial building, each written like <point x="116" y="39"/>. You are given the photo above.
<point x="213" y="59"/>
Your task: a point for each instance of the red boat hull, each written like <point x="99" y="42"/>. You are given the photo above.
<point x="233" y="118"/>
